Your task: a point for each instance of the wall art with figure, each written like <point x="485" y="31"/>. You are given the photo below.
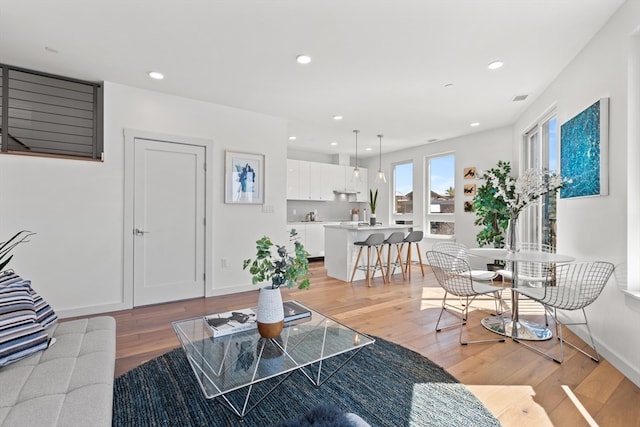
<point x="244" y="178"/>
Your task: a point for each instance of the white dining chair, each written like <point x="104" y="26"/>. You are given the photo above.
<point x="454" y="276"/>
<point x="459" y="250"/>
<point x="570" y="287"/>
<point x="529" y="273"/>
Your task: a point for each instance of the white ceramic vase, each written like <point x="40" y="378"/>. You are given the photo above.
<point x="270" y="316"/>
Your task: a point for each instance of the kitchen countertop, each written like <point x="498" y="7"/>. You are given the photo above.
<point x="316" y="222"/>
<point x="357" y="226"/>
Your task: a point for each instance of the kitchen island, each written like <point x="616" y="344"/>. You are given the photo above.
<point x="340" y="253"/>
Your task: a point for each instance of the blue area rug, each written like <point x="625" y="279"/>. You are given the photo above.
<point x="385" y="384"/>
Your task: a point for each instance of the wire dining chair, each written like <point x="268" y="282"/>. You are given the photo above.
<point x="460" y="250"/>
<point x="454" y="276"/>
<point x="529" y="273"/>
<point x="570" y="287"/>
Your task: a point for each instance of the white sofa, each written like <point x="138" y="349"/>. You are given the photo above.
<point x="68" y="384"/>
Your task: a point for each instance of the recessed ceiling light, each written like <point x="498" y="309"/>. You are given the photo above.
<point x="368" y="149"/>
<point x="337" y="117"/>
<point x="303" y="59"/>
<point x="156" y="75"/>
<point x="474" y="124"/>
<point x="334" y="143"/>
<point x="292" y="138"/>
<point x="495" y="65"/>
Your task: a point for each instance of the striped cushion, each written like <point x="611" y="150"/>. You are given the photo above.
<point x="44" y="313"/>
<point x="20" y="334"/>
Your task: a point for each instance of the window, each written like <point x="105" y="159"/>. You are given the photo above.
<point x="540" y="150"/>
<point x="403" y="192"/>
<point x="42" y="114"/>
<point x="441" y="195"/>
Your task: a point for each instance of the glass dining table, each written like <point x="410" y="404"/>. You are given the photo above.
<point x="514" y="327"/>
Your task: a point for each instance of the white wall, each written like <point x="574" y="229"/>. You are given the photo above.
<point x="482" y="150"/>
<point x="76" y="207"/>
<point x="596" y="227"/>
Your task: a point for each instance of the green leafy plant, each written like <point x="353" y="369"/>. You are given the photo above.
<point x="281" y="267"/>
<point x="373" y="200"/>
<point x="492" y="211"/>
<point x="6" y="247"/>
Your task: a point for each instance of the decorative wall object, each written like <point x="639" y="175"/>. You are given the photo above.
<point x="468" y="206"/>
<point x="584" y="156"/>
<point x="244" y="178"/>
<point x="470" y="189"/>
<point x="470" y="173"/>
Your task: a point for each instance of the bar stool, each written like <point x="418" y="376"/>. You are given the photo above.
<point x="413" y="237"/>
<point x="395" y="238"/>
<point x="375" y="240"/>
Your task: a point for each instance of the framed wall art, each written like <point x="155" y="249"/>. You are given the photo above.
<point x="244" y="178"/>
<point x="469" y="173"/>
<point x="468" y="206"/>
<point x="470" y="189"/>
<point x="584" y="152"/>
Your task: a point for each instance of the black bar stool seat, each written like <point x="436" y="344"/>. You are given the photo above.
<point x="375" y="240"/>
<point x="396" y="238"/>
<point x="413" y="238"/>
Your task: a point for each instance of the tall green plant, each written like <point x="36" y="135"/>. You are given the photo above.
<point x="373" y="200"/>
<point x="492" y="212"/>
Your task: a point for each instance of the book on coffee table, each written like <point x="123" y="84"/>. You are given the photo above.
<point x="294" y="311"/>
<point x="230" y="322"/>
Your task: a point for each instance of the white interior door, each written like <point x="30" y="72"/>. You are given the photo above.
<point x="169" y="221"/>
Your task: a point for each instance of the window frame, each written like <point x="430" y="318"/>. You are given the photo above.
<point x="429" y="216"/>
<point x="402" y="218"/>
<point x="537" y="226"/>
<point x="93" y="89"/>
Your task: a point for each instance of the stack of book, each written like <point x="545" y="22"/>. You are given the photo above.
<point x="231" y="322"/>
<point x="294" y="311"/>
<point x="244" y="319"/>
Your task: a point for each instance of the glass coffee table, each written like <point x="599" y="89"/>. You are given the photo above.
<point x="241" y="360"/>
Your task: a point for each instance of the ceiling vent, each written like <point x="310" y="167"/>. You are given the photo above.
<point x="519" y="98"/>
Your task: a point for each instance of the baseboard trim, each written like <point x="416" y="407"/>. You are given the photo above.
<point x="621" y="364"/>
<point x="91" y="310"/>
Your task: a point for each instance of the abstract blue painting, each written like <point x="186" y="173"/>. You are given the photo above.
<point x="584" y="152"/>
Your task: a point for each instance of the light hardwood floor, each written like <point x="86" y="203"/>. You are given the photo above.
<point x="519" y="386"/>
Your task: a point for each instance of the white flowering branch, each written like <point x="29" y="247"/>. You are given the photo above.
<point x="528" y="187"/>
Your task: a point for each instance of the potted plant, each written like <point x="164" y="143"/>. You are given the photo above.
<point x="492" y="212"/>
<point x="500" y="200"/>
<point x="373" y="201"/>
<point x="281" y="268"/>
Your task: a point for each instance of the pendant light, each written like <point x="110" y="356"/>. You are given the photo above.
<point x="380" y="178"/>
<point x="356" y="170"/>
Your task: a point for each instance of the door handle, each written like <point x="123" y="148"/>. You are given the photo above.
<point x="139" y="232"/>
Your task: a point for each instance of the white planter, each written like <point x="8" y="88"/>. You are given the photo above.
<point x="270" y="316"/>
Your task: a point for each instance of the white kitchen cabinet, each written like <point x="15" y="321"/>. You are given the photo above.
<point x="318" y="181"/>
<point x="311" y="235"/>
<point x="314" y="235"/>
<point x="297" y="180"/>
<point x="321" y="181"/>
<point x="293" y="180"/>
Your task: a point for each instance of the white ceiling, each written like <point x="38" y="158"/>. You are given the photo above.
<point x="382" y="64"/>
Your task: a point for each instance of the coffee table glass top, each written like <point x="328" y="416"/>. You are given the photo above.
<point x="227" y="363"/>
